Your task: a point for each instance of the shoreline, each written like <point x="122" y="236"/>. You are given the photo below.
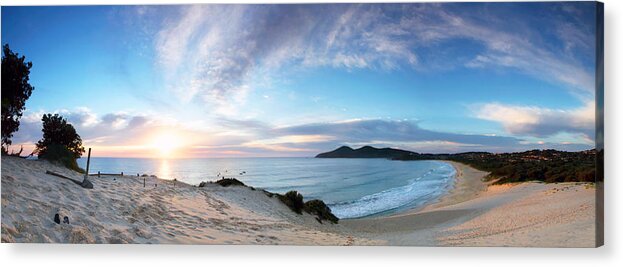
<point x="468" y="184"/>
<point x="121" y="210"/>
<point x="474" y="213"/>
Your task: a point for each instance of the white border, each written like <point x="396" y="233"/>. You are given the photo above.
<point x="187" y="256"/>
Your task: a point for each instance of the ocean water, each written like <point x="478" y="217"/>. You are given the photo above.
<point x="352" y="188"/>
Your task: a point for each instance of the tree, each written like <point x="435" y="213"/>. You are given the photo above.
<point x="15" y="91"/>
<point x="58" y="134"/>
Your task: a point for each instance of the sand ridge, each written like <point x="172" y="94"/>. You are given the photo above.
<point x="121" y="210"/>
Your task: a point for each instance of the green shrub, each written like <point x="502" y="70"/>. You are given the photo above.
<point x="294" y="200"/>
<point x="56" y="131"/>
<point x="321" y="210"/>
<point x="229" y="181"/>
<point x="62" y="155"/>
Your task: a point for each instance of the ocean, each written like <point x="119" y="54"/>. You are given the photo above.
<point x="352" y="188"/>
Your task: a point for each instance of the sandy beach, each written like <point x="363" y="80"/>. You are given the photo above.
<point x="477" y="214"/>
<point x="121" y="210"/>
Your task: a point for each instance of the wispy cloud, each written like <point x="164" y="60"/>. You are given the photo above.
<point x="217" y="55"/>
<point x="210" y="52"/>
<point x="213" y="53"/>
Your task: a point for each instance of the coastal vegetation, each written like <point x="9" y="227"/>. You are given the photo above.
<point x="548" y="166"/>
<point x="321" y="210"/>
<point x="60" y="142"/>
<point x="292" y="199"/>
<point x="16" y="89"/>
<point x="229" y="182"/>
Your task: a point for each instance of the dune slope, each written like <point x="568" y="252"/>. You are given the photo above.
<point x="121" y="210"/>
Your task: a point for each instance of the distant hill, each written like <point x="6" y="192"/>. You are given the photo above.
<point x="541" y="165"/>
<point x="365" y="152"/>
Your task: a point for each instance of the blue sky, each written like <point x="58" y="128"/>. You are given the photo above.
<point x="296" y="80"/>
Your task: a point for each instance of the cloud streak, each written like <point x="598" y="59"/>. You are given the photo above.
<point x="121" y="134"/>
<point x="212" y="52"/>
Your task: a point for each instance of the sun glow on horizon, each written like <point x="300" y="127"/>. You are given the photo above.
<point x="166" y="144"/>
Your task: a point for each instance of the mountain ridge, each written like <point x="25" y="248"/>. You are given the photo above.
<point x="365" y="152"/>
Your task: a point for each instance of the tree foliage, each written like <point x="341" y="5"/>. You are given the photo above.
<point x="15" y="91"/>
<point x="550" y="166"/>
<point x="60" y="154"/>
<point x="57" y="132"/>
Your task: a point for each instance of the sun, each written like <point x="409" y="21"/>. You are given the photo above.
<point x="166" y="144"/>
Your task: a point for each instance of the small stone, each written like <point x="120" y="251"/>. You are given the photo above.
<point x="66" y="220"/>
<point x="57" y="219"/>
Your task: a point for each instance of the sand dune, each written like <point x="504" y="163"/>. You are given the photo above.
<point x="121" y="210"/>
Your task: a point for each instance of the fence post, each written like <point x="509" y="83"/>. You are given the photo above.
<point x="85" y="182"/>
<point x="143" y="181"/>
<point x="88" y="163"/>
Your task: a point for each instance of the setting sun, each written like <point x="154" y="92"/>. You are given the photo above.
<point x="166" y="144"/>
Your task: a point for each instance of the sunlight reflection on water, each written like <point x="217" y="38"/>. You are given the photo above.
<point x="165" y="170"/>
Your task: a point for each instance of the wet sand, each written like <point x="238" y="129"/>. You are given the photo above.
<point x="476" y="214"/>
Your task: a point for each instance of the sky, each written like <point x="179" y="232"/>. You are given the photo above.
<point x="297" y="80"/>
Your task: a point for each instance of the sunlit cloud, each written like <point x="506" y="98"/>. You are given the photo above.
<point x="540" y="122"/>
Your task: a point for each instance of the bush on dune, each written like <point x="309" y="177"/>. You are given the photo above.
<point x="321" y="210"/>
<point x="60" y="142"/>
<point x="225" y="182"/>
<point x="60" y="154"/>
<point x="294" y="200"/>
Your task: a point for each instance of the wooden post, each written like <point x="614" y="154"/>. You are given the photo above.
<point x="143" y="181"/>
<point x="88" y="163"/>
<point x="85" y="182"/>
